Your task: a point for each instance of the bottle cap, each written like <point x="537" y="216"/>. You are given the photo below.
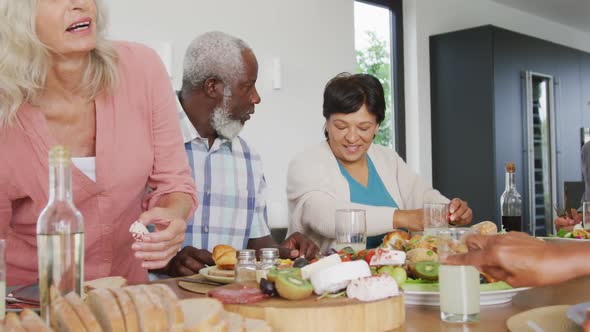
<point x="269" y="253"/>
<point x="246" y="254"/>
<point x="510" y="167"/>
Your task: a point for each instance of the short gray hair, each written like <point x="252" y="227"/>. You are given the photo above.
<point x="213" y="54"/>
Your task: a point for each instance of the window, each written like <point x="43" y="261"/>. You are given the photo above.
<point x="378" y="44"/>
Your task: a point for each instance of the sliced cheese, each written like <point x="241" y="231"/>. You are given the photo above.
<point x="372" y="288"/>
<point x="325" y="262"/>
<point x="337" y="277"/>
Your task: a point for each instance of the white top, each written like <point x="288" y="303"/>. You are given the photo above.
<point x="86" y="165"/>
<point x="316" y="188"/>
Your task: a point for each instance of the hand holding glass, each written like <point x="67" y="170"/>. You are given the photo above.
<point x="435" y="217"/>
<point x="458" y="284"/>
<point x="351" y="229"/>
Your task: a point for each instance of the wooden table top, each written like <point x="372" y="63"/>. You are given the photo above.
<point x="492" y="317"/>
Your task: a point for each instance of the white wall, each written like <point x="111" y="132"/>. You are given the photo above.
<point x="313" y="38"/>
<point x="423" y="18"/>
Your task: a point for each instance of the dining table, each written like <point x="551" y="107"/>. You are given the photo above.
<point x="492" y="317"/>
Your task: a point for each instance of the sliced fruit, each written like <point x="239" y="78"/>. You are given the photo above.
<point x="426" y="270"/>
<point x="293" y="288"/>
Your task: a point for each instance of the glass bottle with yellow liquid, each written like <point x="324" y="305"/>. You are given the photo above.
<point x="60" y="235"/>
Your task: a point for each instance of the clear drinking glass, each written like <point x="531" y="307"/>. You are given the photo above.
<point x="435" y="217"/>
<point x="458" y="284"/>
<point x="351" y="229"/>
<point x="586" y="214"/>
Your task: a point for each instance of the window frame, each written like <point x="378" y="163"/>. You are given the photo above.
<point x="397" y="68"/>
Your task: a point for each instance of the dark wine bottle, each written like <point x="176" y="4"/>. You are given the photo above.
<point x="511" y="202"/>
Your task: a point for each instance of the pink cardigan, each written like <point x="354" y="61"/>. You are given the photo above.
<point x="138" y="146"/>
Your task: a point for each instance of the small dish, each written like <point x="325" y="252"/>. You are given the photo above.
<point x="205" y="272"/>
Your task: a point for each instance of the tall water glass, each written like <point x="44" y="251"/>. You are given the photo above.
<point x="351" y="229"/>
<point x="586" y="214"/>
<point x="459" y="284"/>
<point x="435" y="217"/>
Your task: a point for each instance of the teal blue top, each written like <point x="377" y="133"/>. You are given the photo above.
<point x="374" y="194"/>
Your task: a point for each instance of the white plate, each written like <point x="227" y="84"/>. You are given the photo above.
<point x="577" y="313"/>
<point x="205" y="273"/>
<point x="561" y="239"/>
<point x="486" y="298"/>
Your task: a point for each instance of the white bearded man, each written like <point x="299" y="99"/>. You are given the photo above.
<point x="217" y="97"/>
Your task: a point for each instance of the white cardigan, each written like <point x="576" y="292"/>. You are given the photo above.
<point x="316" y="188"/>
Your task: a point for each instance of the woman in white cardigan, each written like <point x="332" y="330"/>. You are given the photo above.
<point x="348" y="171"/>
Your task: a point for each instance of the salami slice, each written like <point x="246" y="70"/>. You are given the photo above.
<point x="237" y="294"/>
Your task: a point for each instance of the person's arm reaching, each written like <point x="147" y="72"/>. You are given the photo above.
<point x="296" y="245"/>
<point x="522" y="260"/>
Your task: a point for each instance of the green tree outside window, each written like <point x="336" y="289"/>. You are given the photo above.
<point x="375" y="60"/>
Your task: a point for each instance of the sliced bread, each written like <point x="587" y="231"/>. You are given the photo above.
<point x="12" y="323"/>
<point x="235" y="322"/>
<point x="146" y="311"/>
<point x="127" y="309"/>
<point x="159" y="318"/>
<point x="107" y="282"/>
<point x="172" y="305"/>
<point x="63" y="318"/>
<point x="256" y="325"/>
<point x="32" y="322"/>
<point x="200" y="314"/>
<point x="105" y="308"/>
<point x="83" y="311"/>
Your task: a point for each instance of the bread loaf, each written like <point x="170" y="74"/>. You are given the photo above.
<point x="32" y="322"/>
<point x="81" y="309"/>
<point x="159" y="317"/>
<point x="172" y="305"/>
<point x="256" y="325"/>
<point x="224" y="257"/>
<point x="63" y="318"/>
<point x="107" y="282"/>
<point x="147" y="312"/>
<point x="12" y="323"/>
<point x="235" y="322"/>
<point x="127" y="309"/>
<point x="201" y="314"/>
<point x="104" y="306"/>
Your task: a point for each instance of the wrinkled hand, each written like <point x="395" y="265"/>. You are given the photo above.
<point x="157" y="248"/>
<point x="189" y="261"/>
<point x="461" y="213"/>
<point x="566" y="222"/>
<point x="298" y="245"/>
<point x="517" y="258"/>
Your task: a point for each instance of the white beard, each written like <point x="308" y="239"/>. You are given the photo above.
<point x="222" y="122"/>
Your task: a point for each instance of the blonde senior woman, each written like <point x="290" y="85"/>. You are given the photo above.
<point x="348" y="171"/>
<point x="113" y="105"/>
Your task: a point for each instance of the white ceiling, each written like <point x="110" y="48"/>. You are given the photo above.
<point x="573" y="13"/>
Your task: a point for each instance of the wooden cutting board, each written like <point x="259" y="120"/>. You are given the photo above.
<point x="340" y="314"/>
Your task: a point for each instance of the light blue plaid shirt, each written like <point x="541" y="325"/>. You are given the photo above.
<point x="230" y="188"/>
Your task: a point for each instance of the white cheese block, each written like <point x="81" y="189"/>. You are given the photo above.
<point x="309" y="269"/>
<point x="372" y="288"/>
<point x="334" y="278"/>
<point x="385" y="256"/>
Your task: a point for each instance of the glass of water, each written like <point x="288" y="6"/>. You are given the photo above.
<point x="458" y="284"/>
<point x="351" y="229"/>
<point x="586" y="214"/>
<point x="435" y="217"/>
